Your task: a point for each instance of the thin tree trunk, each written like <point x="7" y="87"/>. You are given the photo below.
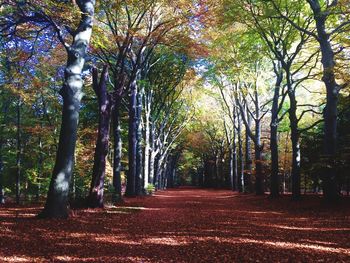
<point x="40" y="169"/>
<point x="139" y="184"/>
<point x="295" y="146"/>
<point x="19" y="154"/>
<point x="234" y="153"/>
<point x="259" y="188"/>
<point x="248" y="158"/>
<point x="2" y="194"/>
<point x="117" y="167"/>
<point x="147" y="141"/>
<point x="57" y="198"/>
<point x="152" y="155"/>
<point x="241" y="186"/>
<point x="95" y="198"/>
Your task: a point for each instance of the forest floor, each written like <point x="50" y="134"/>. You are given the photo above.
<point x="183" y="225"/>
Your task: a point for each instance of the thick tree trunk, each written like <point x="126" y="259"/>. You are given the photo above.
<point x="132" y="140"/>
<point x="330" y="112"/>
<point x="57" y="199"/>
<point x="274" y="180"/>
<point x="95" y="198"/>
<point x="117" y="167"/>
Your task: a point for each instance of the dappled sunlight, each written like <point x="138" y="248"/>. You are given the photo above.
<point x="315" y="228"/>
<point x="18" y="259"/>
<point x="169" y="241"/>
<point x="183" y="224"/>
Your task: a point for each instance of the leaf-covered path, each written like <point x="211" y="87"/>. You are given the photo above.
<point x="182" y="225"/>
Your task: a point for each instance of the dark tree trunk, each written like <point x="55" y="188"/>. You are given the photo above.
<point x="57" y="198"/>
<point x="117" y="167"/>
<point x="95" y="198"/>
<point x="19" y="153"/>
<point x="132" y="140"/>
<point x="295" y="146"/>
<point x="139" y="151"/>
<point x="2" y="194"/>
<point x="330" y="112"/>
<point x="40" y="169"/>
<point x="274" y="180"/>
<point x="259" y="188"/>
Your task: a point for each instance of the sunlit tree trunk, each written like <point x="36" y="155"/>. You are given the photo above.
<point x="147" y="140"/>
<point x="330" y="112"/>
<point x="95" y="198"/>
<point x="241" y="186"/>
<point x="117" y="167"/>
<point x="71" y="92"/>
<point x="139" y="184"/>
<point x="248" y="158"/>
<point x="152" y="154"/>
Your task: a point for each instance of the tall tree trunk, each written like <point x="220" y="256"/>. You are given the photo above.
<point x="330" y="112"/>
<point x="132" y="140"/>
<point x="295" y="146"/>
<point x="117" y="167"/>
<point x="274" y="180"/>
<point x="147" y="140"/>
<point x="234" y="154"/>
<point x="259" y="188"/>
<point x="139" y="184"/>
<point x="19" y="152"/>
<point x="57" y="198"/>
<point x="152" y="154"/>
<point x="40" y="169"/>
<point x="248" y="158"/>
<point x="2" y="194"/>
<point x="95" y="198"/>
<point x="241" y="186"/>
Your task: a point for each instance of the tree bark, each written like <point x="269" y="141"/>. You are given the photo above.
<point x="295" y="146"/>
<point x="57" y="198"/>
<point x="152" y="154"/>
<point x="147" y="140"/>
<point x="330" y="112"/>
<point x="19" y="152"/>
<point x="117" y="167"/>
<point x="241" y="186"/>
<point x="95" y="198"/>
<point x="274" y="180"/>
<point x="248" y="158"/>
<point x="132" y="140"/>
<point x="139" y="184"/>
<point x="259" y="188"/>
